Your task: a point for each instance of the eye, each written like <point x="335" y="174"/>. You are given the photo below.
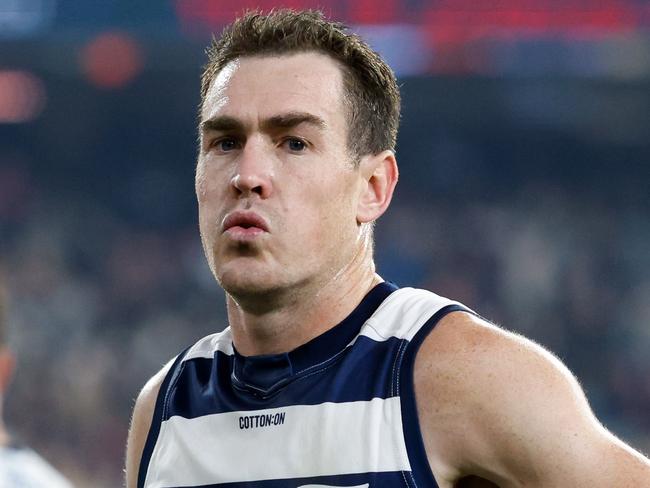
<point x="295" y="145"/>
<point x="225" y="144"/>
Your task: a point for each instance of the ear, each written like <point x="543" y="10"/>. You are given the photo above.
<point x="7" y="364"/>
<point x="379" y="176"/>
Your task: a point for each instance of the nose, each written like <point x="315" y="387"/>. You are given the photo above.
<point x="254" y="172"/>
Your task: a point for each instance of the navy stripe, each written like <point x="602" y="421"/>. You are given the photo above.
<point x="154" y="430"/>
<point x="420" y="468"/>
<point x="359" y="373"/>
<point x="387" y="479"/>
<point x="265" y="375"/>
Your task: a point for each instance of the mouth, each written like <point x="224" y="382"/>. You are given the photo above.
<point x="244" y="224"/>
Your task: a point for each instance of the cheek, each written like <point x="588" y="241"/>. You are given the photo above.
<point x="201" y="181"/>
<point x="202" y="201"/>
<point x="208" y="197"/>
<point x="208" y="189"/>
<point x="332" y="213"/>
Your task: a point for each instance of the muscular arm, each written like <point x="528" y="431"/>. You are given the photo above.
<point x="140" y="424"/>
<point x="496" y="406"/>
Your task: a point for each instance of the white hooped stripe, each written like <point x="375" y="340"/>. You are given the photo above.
<point x="206" y="347"/>
<point x="297" y="441"/>
<point x="403" y="313"/>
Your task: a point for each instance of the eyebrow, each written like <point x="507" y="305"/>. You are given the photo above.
<point x="225" y="123"/>
<point x="222" y="123"/>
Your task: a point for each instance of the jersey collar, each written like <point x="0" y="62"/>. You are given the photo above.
<point x="265" y="375"/>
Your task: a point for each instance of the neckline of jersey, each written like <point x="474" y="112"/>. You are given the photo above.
<point x="266" y="374"/>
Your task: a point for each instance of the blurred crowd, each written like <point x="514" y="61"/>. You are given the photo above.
<point x="99" y="303"/>
<point x="523" y="153"/>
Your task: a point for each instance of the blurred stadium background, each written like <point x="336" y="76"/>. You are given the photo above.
<point x="524" y="192"/>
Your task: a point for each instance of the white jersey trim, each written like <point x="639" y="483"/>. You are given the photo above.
<point x="206" y="347"/>
<point x="300" y="441"/>
<point x="403" y="314"/>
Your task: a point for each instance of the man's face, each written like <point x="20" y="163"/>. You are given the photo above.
<point x="276" y="187"/>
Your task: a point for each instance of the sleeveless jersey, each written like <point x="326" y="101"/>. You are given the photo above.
<point x="338" y="411"/>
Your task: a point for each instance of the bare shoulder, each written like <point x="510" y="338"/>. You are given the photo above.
<point x="467" y="374"/>
<point x="494" y="404"/>
<point x="141" y="419"/>
<point x="482" y="353"/>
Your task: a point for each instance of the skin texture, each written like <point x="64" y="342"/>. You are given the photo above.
<point x="494" y="408"/>
<point x="500" y="408"/>
<point x="274" y="142"/>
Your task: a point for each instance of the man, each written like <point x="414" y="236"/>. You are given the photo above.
<point x="20" y="467"/>
<point x="327" y="375"/>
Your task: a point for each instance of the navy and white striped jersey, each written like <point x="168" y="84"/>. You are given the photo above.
<point x="338" y="411"/>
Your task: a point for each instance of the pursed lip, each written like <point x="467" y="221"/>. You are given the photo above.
<point x="245" y="219"/>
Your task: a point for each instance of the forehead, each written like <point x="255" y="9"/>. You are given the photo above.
<point x="262" y="86"/>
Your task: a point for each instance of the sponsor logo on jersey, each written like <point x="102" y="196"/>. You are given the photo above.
<point x="263" y="420"/>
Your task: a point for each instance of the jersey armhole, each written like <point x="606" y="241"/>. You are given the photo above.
<point x="156" y="421"/>
<point x="420" y="468"/>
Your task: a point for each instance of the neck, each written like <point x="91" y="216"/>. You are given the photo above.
<point x="293" y="318"/>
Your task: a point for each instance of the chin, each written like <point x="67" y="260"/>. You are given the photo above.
<point x="246" y="280"/>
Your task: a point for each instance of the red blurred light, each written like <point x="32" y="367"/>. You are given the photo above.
<point x="22" y="96"/>
<point x="111" y="60"/>
<point x="375" y="11"/>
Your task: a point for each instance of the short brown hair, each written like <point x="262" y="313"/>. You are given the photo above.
<point x="371" y="91"/>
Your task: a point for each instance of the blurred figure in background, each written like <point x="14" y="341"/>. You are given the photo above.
<point x="20" y="467"/>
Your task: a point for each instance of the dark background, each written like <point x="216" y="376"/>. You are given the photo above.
<point x="524" y="155"/>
